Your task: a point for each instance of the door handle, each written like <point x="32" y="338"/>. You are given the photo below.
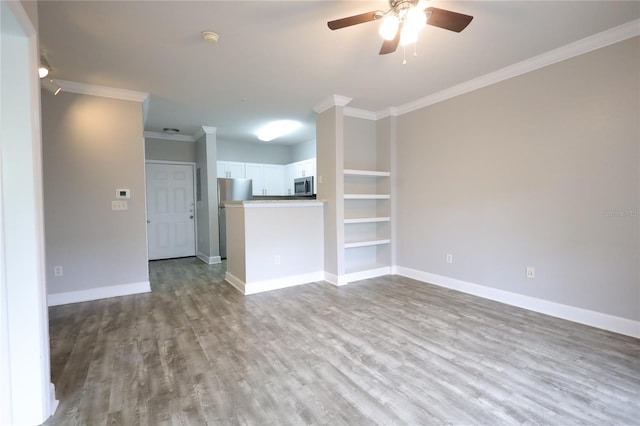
<point x="191" y="217"/>
<point x="148" y="221"/>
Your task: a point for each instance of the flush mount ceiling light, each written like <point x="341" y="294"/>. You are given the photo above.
<point x="276" y="129"/>
<point x="210" y="36"/>
<point x="171" y="130"/>
<point x="44" y="69"/>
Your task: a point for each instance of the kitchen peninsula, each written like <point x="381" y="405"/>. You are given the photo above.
<point x="274" y="244"/>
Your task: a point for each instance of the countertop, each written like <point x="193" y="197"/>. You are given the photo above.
<point x="309" y="202"/>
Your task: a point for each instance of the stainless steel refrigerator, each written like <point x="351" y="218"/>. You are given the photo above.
<point x="230" y="190"/>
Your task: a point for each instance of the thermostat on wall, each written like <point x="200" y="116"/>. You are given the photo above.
<point x="123" y="193"/>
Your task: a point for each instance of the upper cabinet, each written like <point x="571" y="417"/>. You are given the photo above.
<point x="299" y="169"/>
<point x="231" y="169"/>
<point x="268" y="179"/>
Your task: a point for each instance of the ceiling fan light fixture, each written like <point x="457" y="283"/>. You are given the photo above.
<point x="389" y="27"/>
<point x="408" y="36"/>
<point x="416" y="20"/>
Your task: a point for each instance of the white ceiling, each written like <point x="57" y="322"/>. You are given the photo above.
<point x="277" y="59"/>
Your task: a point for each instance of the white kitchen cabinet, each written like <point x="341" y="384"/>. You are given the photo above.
<point x="268" y="179"/>
<point x="253" y="171"/>
<point x="305" y="168"/>
<point x="231" y="169"/>
<point x="289" y="176"/>
<point x="273" y="179"/>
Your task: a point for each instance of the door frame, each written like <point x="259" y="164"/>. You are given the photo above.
<point x="193" y="177"/>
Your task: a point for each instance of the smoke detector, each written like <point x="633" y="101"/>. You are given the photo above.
<point x="210" y="36"/>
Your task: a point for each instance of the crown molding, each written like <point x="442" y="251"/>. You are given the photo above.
<point x="204" y="130"/>
<point x="105" y="92"/>
<point x="585" y="45"/>
<point x="331" y="101"/>
<point x="360" y="113"/>
<point x="165" y="136"/>
<point x="387" y="112"/>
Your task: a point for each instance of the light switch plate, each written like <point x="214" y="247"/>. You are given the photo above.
<point x="119" y="205"/>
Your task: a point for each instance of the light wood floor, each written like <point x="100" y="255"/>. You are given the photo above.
<point x="383" y="351"/>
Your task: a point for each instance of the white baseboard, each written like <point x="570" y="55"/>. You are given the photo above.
<point x="209" y="260"/>
<point x="335" y="279"/>
<point x="340" y="280"/>
<point x="234" y="281"/>
<point x="558" y="310"/>
<point x="268" y="285"/>
<point x="53" y="402"/>
<point x="365" y="275"/>
<point x="56" y="299"/>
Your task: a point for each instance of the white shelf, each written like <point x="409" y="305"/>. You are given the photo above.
<point x="366" y="243"/>
<point x="368" y="220"/>
<point x="367" y="196"/>
<point x="352" y="172"/>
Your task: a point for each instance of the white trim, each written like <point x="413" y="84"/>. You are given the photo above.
<point x="582" y="316"/>
<point x="275" y="284"/>
<point x="387" y="112"/>
<point x="249" y="204"/>
<point x="360" y="113"/>
<point x="179" y="163"/>
<point x="53" y="402"/>
<point x="336" y="280"/>
<point x="597" y="41"/>
<point x="204" y="130"/>
<point x="331" y="101"/>
<point x="234" y="281"/>
<point x="25" y="387"/>
<point x="209" y="260"/>
<point x="369" y="273"/>
<point x="97" y="293"/>
<point x="165" y="136"/>
<point x="105" y="92"/>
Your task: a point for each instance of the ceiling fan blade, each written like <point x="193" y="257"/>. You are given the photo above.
<point x="353" y="20"/>
<point x="448" y="20"/>
<point x="390" y="46"/>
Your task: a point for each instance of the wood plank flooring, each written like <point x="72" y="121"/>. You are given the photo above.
<point x="383" y="351"/>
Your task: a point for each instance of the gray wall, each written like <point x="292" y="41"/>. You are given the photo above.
<point x="207" y="207"/>
<point x="360" y="144"/>
<point x="303" y="151"/>
<point x="330" y="136"/>
<point x="166" y="150"/>
<point x="253" y="152"/>
<point x="540" y="170"/>
<point x="91" y="147"/>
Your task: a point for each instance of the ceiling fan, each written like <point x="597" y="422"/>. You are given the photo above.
<point x="403" y="21"/>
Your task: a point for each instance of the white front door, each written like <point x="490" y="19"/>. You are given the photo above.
<point x="170" y="211"/>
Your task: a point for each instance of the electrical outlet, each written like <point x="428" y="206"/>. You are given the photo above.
<point x="57" y="271"/>
<point x="531" y="272"/>
<point x="276" y="260"/>
<point x="449" y="258"/>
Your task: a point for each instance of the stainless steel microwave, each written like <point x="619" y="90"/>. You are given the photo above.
<point x="303" y="185"/>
